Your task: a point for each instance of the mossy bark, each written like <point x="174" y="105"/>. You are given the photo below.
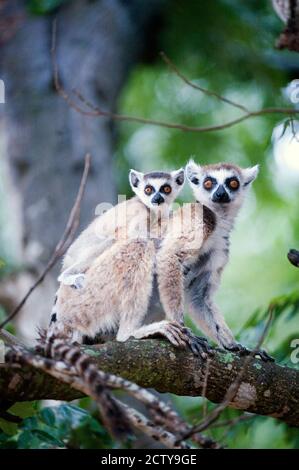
<point x="266" y="388"/>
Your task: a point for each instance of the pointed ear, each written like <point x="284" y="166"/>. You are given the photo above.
<point x="249" y="174"/>
<point x="135" y="177"/>
<point x="179" y="176"/>
<point x="193" y="171"/>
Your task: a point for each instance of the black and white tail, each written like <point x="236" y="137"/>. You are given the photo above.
<point x="55" y="343"/>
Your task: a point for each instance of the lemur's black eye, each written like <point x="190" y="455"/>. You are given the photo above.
<point x="166" y="189"/>
<point x="208" y="183"/>
<point x="148" y="190"/>
<point x="233" y="184"/>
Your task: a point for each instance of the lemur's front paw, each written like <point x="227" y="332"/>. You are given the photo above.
<point x="198" y="345"/>
<point x="175" y="334"/>
<point x="183" y="337"/>
<point x="77" y="281"/>
<point x="237" y="347"/>
<point x="265" y="356"/>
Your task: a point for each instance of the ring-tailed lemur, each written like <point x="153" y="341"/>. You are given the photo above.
<point x="142" y="216"/>
<point x="192" y="263"/>
<point x="221" y="188"/>
<point x="119" y="280"/>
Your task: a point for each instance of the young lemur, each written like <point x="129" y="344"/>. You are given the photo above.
<point x="119" y="278"/>
<point x="142" y="216"/>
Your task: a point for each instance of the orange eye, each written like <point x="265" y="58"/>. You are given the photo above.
<point x="148" y="190"/>
<point x="167" y="189"/>
<point x="234" y="184"/>
<point x="208" y="184"/>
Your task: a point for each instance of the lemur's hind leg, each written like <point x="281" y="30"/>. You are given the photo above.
<point x="178" y="250"/>
<point x="137" y="267"/>
<point x="171" y="284"/>
<point x="170" y="274"/>
<point x="134" y="264"/>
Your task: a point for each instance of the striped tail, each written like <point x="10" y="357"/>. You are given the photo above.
<point x="113" y="416"/>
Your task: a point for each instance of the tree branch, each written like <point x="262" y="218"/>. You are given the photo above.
<point x="97" y="112"/>
<point x="89" y="109"/>
<point x="266" y="388"/>
<point x="188" y="82"/>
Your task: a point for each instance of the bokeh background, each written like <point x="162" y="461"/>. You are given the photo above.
<point x="224" y="46"/>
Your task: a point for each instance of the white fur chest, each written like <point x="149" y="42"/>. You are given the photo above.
<point x="218" y="248"/>
<point x="212" y="257"/>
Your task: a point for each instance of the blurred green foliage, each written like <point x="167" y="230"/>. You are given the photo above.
<point x="63" y="426"/>
<point x="43" y="7"/>
<point x="226" y="46"/>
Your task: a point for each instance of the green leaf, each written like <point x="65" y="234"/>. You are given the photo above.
<point x="43" y="7"/>
<point x="24" y="409"/>
<point x="8" y="427"/>
<point x="7" y="442"/>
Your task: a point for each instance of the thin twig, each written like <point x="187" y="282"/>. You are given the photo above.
<point x="62" y="245"/>
<point x="204" y="387"/>
<point x="177" y="72"/>
<point x="10" y="339"/>
<point x="232" y="422"/>
<point x="233" y="389"/>
<point x="95" y="111"/>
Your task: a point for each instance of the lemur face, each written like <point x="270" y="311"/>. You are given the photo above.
<point x="220" y="186"/>
<point x="157" y="190"/>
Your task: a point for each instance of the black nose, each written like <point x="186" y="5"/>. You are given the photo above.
<point x="220" y="195"/>
<point x="158" y="199"/>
